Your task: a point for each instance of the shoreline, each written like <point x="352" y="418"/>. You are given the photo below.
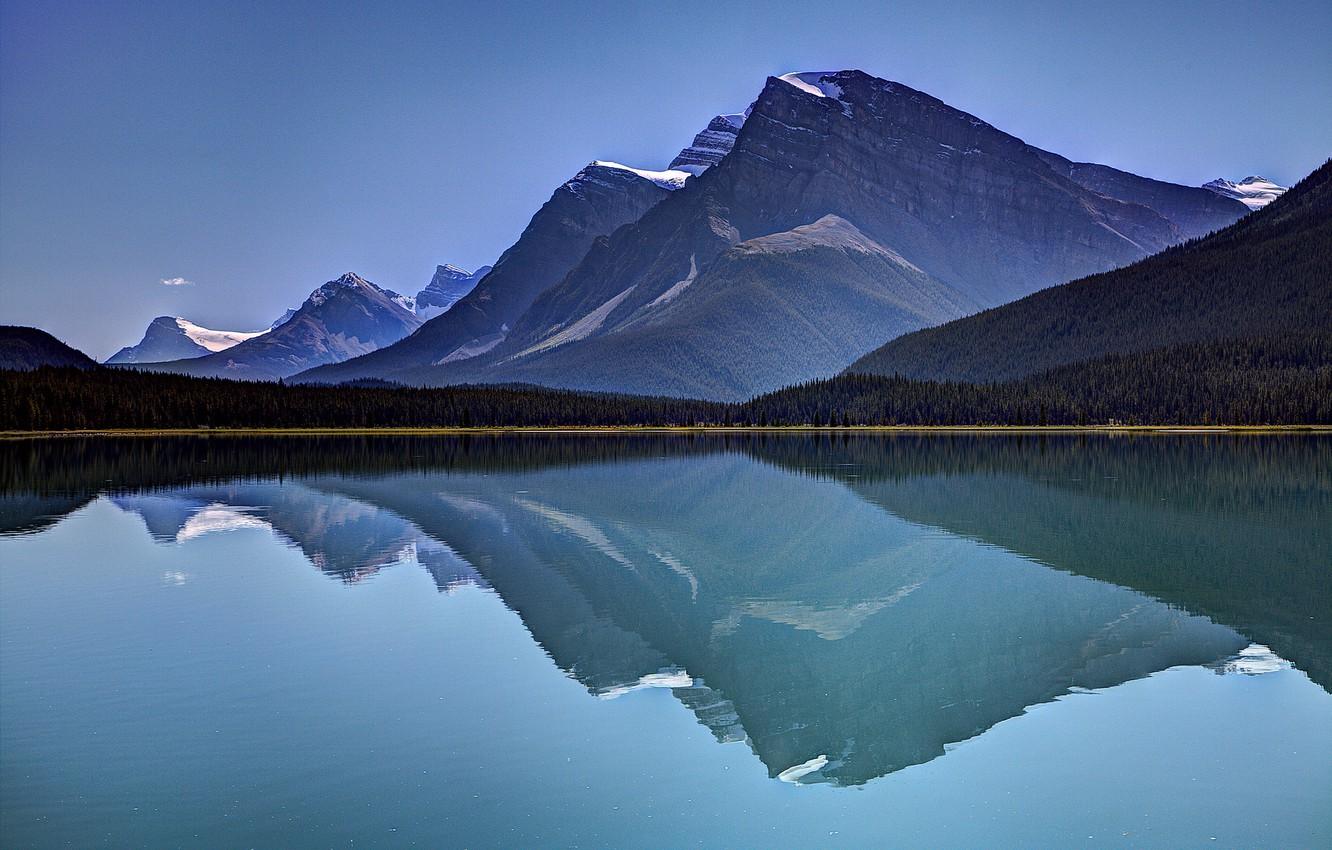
<point x="676" y="429"/>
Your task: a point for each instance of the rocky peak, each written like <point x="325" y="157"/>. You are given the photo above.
<point x="1253" y="191"/>
<point x="711" y="145"/>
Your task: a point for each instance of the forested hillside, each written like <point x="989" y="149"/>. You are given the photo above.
<point x="1269" y="273"/>
<point x="1284" y="379"/>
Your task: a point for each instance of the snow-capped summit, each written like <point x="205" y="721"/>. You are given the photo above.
<point x="175" y="338"/>
<point x="668" y="179"/>
<point x="817" y="83"/>
<point x="351" y="280"/>
<point x="1254" y="192"/>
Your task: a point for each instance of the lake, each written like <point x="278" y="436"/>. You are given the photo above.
<point x="739" y="640"/>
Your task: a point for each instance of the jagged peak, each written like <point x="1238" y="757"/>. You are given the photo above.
<point x="1254" y="192"/>
<point x="350" y="279"/>
<point x="450" y="270"/>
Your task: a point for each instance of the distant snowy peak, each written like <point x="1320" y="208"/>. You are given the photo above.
<point x="711" y="145"/>
<point x="1254" y="192"/>
<point x="174" y="338"/>
<point x="445" y="289"/>
<point x="211" y="339"/>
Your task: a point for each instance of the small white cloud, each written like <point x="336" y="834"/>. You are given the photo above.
<point x="176" y="281"/>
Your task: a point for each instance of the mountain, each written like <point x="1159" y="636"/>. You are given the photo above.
<point x="174" y="338"/>
<point x="1254" y="192"/>
<point x="711" y="145"/>
<point x="445" y="289"/>
<point x="595" y="202"/>
<point x="824" y="290"/>
<point x="341" y="319"/>
<point x="24" y="349"/>
<point x="667" y="304"/>
<point x="1266" y="274"/>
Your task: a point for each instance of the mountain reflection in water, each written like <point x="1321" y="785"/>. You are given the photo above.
<point x="846" y="606"/>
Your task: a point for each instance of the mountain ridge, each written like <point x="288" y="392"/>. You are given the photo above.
<point x="1207" y="289"/>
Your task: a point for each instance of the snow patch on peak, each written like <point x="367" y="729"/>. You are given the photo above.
<point x="1253" y="191"/>
<point x="817" y="83"/>
<point x="214" y="340"/>
<point x="669" y="179"/>
<point x="350" y="279"/>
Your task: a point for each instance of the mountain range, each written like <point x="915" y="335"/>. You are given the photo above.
<point x="791" y="241"/>
<point x="341" y="319"/>
<point x="835" y="220"/>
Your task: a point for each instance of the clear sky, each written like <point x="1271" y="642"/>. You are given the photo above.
<point x="259" y="149"/>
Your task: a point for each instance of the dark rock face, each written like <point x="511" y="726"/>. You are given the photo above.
<point x="445" y="289"/>
<point x="24" y="349"/>
<point x="164" y="340"/>
<point x="596" y="202"/>
<point x="343" y="318"/>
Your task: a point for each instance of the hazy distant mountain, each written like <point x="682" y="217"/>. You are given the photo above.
<point x="672" y="302"/>
<point x="1266" y="274"/>
<point x="449" y="284"/>
<point x="23" y="349"/>
<point x="341" y="319"/>
<point x="1254" y="192"/>
<point x="174" y="338"/>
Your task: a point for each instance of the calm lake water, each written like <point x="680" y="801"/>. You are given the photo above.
<point x="723" y="641"/>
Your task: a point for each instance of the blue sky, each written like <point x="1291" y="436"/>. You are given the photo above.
<point x="257" y="150"/>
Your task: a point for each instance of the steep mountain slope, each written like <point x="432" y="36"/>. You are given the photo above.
<point x="1194" y="210"/>
<point x="445" y="289"/>
<point x="1268" y="273"/>
<point x="1254" y="192"/>
<point x="341" y="319"/>
<point x="768" y="312"/>
<point x="174" y="338"/>
<point x="916" y="177"/>
<point x="23" y="349"/>
<point x="598" y="200"/>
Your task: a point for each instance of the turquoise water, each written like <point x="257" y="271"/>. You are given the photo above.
<point x="667" y="641"/>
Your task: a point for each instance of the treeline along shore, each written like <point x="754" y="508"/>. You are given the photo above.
<point x="1270" y="380"/>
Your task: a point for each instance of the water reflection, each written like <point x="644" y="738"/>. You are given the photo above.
<point x="844" y="607"/>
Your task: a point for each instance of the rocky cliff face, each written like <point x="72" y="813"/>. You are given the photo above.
<point x="711" y="145"/>
<point x="344" y="318"/>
